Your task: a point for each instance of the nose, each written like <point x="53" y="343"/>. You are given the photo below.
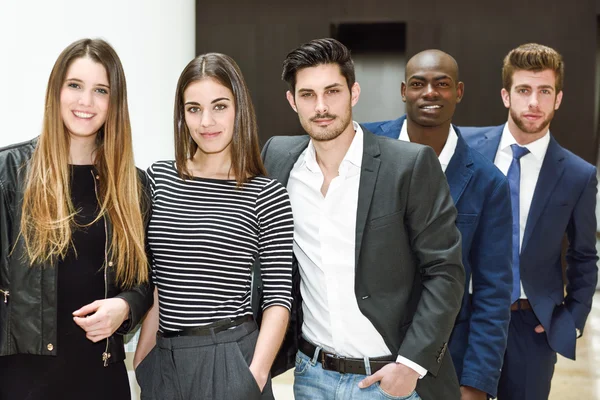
<point x="207" y="119"/>
<point x="430" y="91"/>
<point x="533" y="100"/>
<point x="86" y="98"/>
<point x="321" y="107"/>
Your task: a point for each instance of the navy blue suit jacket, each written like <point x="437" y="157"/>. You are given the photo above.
<point x="564" y="201"/>
<point x="481" y="195"/>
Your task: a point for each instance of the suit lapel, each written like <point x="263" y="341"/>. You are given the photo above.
<point x="392" y="128"/>
<point x="550" y="173"/>
<point x="459" y="172"/>
<point x="488" y="146"/>
<point x="284" y="166"/>
<point x="366" y="189"/>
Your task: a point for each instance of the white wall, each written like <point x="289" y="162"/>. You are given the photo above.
<point x="155" y="40"/>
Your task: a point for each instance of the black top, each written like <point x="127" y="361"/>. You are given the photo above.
<point x="77" y="372"/>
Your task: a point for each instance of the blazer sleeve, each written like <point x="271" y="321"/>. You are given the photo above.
<point x="435" y="241"/>
<point x="582" y="271"/>
<point x="491" y="264"/>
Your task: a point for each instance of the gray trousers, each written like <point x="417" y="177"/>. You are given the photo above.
<point x="203" y="367"/>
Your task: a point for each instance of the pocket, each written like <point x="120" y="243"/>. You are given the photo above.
<point x="396" y="217"/>
<point x="302" y="364"/>
<point x="386" y="395"/>
<point x="247" y="374"/>
<point x="144" y="372"/>
<point x="465" y="219"/>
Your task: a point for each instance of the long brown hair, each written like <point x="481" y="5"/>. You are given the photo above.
<point x="47" y="219"/>
<point x="245" y="151"/>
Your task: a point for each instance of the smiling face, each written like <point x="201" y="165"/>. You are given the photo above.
<point x="84" y="98"/>
<point x="431" y="90"/>
<point x="532" y="102"/>
<point x="323" y="101"/>
<point x="210" y="115"/>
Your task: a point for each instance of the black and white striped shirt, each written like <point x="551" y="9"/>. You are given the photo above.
<point x="205" y="235"/>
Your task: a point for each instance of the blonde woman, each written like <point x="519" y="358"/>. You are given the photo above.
<point x="73" y="265"/>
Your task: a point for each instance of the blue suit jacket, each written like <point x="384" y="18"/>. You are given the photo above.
<point x="564" y="201"/>
<point x="481" y="195"/>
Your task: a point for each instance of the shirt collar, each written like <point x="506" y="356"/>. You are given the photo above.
<point x="448" y="150"/>
<point x="352" y="159"/>
<point x="537" y="148"/>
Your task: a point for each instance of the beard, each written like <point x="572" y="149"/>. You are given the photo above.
<point x="527" y="127"/>
<point x="330" y="132"/>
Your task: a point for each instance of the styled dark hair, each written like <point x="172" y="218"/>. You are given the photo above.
<point x="533" y="57"/>
<point x="245" y="150"/>
<point x="318" y="52"/>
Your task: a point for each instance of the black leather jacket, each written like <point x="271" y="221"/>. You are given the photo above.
<point x="28" y="294"/>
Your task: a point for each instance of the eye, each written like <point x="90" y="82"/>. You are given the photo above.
<point x="416" y="84"/>
<point x="73" y="85"/>
<point x="522" y="91"/>
<point x="546" y="91"/>
<point x="306" y="94"/>
<point x="332" y="91"/>
<point x="193" y="110"/>
<point x="102" y="91"/>
<point x="443" y="84"/>
<point x="220" y="107"/>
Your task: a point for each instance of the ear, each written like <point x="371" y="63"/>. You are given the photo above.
<point x="505" y="97"/>
<point x="290" y="98"/>
<point x="558" y="100"/>
<point x="460" y="91"/>
<point x="355" y="91"/>
<point x="403" y="91"/>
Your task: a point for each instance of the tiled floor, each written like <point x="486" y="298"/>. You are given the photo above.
<point x="573" y="380"/>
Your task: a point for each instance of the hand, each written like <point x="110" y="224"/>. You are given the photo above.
<point x="259" y="376"/>
<point x="395" y="379"/>
<point x="101" y="318"/>
<point x="470" y="393"/>
<point x="539" y="329"/>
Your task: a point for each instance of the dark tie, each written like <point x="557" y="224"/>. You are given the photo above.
<point x="514" y="180"/>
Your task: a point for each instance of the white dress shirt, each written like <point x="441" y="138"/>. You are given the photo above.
<point x="448" y="150"/>
<point x="324" y="245"/>
<point x="531" y="164"/>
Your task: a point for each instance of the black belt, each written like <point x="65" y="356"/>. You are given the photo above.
<point x="215" y="327"/>
<point x="333" y="362"/>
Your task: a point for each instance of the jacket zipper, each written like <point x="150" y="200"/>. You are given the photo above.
<point x="106" y="354"/>
<point x="5" y="293"/>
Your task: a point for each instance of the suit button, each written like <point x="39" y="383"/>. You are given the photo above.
<point x="50" y="347"/>
<point x="439" y="359"/>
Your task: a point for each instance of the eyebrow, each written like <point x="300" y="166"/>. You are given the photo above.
<point x="537" y="87"/>
<point x="195" y="103"/>
<point x="436" y="78"/>
<point x="333" y="85"/>
<point x="80" y="81"/>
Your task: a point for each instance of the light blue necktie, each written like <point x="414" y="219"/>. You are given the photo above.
<point x="514" y="180"/>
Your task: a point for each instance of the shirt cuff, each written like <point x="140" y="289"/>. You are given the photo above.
<point x="412" y="365"/>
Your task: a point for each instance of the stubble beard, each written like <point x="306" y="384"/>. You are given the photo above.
<point x="528" y="128"/>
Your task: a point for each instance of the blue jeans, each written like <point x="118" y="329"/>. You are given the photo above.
<point x="312" y="382"/>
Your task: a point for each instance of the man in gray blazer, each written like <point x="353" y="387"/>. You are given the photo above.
<point x="375" y="245"/>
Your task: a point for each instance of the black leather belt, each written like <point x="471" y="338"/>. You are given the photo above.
<point x="333" y="362"/>
<point x="215" y="327"/>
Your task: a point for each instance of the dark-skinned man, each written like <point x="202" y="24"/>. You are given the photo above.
<point x="431" y="91"/>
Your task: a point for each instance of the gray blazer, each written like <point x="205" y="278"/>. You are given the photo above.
<point x="409" y="274"/>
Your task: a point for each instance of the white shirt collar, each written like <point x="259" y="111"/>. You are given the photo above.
<point x="537" y="148"/>
<point x="351" y="161"/>
<point x="448" y="150"/>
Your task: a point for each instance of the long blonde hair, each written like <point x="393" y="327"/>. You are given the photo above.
<point x="47" y="219"/>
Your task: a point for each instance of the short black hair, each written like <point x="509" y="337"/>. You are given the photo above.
<point x="318" y="52"/>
